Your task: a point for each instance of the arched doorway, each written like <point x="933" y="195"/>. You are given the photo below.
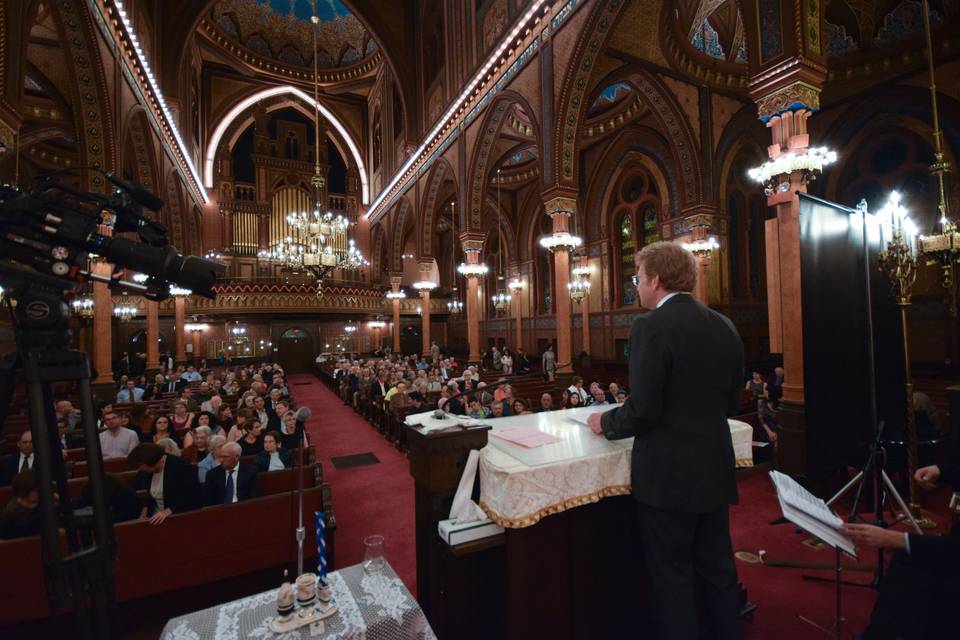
<point x="296" y="353"/>
<point x="137" y="350"/>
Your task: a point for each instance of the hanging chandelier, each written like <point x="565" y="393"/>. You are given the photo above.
<point x="377" y="324"/>
<point x="318" y="243"/>
<point x="501" y="299"/>
<point x="703" y="247"/>
<point x="124" y="312"/>
<point x="455" y="307"/>
<point x="579" y="285"/>
<point x="82" y="306"/>
<point x="396" y="295"/>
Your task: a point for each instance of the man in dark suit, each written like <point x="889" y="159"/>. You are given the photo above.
<point x="922" y="583"/>
<point x="686" y="366"/>
<point x="170" y="481"/>
<point x="233" y="481"/>
<point x="18" y="462"/>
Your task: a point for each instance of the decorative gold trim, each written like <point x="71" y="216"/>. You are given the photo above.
<point x="783" y="99"/>
<point x="570" y="503"/>
<point x="743" y="463"/>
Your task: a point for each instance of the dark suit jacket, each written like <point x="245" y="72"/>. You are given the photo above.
<point x="245" y="483"/>
<point x="939" y="552"/>
<point x="686" y="366"/>
<point x="263" y="459"/>
<point x="9" y="467"/>
<point x="181" y="486"/>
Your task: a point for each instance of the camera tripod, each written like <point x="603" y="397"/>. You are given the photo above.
<point x="82" y="574"/>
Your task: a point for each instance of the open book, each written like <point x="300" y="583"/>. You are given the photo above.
<point x="810" y="513"/>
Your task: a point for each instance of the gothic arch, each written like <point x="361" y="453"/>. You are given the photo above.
<point x="439" y="174"/>
<point x="489" y="132"/>
<point x="591" y="43"/>
<point x="505" y="227"/>
<point x="376" y="243"/>
<point x="139" y="143"/>
<point x="528" y="215"/>
<point x="172" y="212"/>
<point x="401" y="222"/>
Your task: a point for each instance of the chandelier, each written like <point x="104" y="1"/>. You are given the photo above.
<point x="501" y="299"/>
<point x="455" y="307"/>
<point x="124" y="312"/>
<point x="515" y="285"/>
<point x="238" y="330"/>
<point x="82" y="306"/>
<point x="318" y="242"/>
<point x="196" y="327"/>
<point x="179" y="292"/>
<point x="811" y="163"/>
<point x="350" y="328"/>
<point x="396" y="295"/>
<point x="377" y="324"/>
<point x="701" y="248"/>
<point x="579" y="286"/>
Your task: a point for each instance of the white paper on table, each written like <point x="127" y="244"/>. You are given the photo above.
<point x="810" y="513"/>
<point x="464" y="509"/>
<point x="524" y="437"/>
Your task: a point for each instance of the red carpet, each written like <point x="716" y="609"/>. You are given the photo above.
<point x="367" y="500"/>
<point x="379" y="499"/>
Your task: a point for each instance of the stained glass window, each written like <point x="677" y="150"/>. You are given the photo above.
<point x="627" y="268"/>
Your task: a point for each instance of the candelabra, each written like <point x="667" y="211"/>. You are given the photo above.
<point x="898" y="262"/>
<point x="83" y="306"/>
<point x="124" y="312"/>
<point x="396" y="295"/>
<point x="455" y="307"/>
<point x="501" y="301"/>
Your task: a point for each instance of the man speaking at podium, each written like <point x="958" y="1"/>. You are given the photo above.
<point x="686" y="371"/>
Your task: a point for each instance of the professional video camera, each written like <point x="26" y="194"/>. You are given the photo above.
<point x="55" y="228"/>
<point x="47" y="238"/>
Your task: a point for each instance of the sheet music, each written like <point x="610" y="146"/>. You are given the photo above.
<point x="810" y="513"/>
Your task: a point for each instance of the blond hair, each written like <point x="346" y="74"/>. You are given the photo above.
<point x="675" y="265"/>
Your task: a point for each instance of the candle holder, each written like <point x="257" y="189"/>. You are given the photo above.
<point x="899" y="264"/>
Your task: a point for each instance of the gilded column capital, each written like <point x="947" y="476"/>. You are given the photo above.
<point x="792" y="97"/>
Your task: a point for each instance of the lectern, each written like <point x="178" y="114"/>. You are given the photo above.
<point x="574" y="574"/>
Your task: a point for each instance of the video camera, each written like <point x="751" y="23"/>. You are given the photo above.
<point x="54" y="229"/>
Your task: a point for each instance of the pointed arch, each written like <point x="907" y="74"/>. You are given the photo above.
<point x="401" y="220"/>
<point x="376" y="255"/>
<point x="490" y="129"/>
<point x="440" y="173"/>
<point x="139" y="143"/>
<point x="505" y="226"/>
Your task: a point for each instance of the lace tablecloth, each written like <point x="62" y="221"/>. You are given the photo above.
<point x="369" y="607"/>
<point x="519" y="487"/>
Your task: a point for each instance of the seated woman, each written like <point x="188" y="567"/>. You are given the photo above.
<point x="573" y="401"/>
<point x="181" y="420"/>
<point x="293" y="432"/>
<point x="519" y="407"/>
<point x="273" y="458"/>
<point x="252" y="441"/>
<point x="224" y="419"/>
<point x="197" y="449"/>
<point x="204" y="419"/>
<point x="140" y="421"/>
<point x="162" y="429"/>
<point x="237" y="431"/>
<point x="171" y="482"/>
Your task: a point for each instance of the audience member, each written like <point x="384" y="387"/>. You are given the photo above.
<point x="231" y="481"/>
<point x="20" y="461"/>
<point x="169" y="446"/>
<point x="162" y="429"/>
<point x="251" y="443"/>
<point x="214" y="443"/>
<point x="294" y="431"/>
<point x="549" y="363"/>
<point x="116" y="441"/>
<point x="21" y="515"/>
<point x="171" y="482"/>
<point x="546" y="403"/>
<point x="273" y="457"/>
<point x="197" y="449"/>
<point x="520" y="407"/>
<point x="129" y="393"/>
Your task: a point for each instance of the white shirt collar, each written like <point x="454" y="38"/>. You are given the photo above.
<point x="664" y="299"/>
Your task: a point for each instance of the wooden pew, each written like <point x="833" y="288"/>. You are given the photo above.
<point x="224" y="542"/>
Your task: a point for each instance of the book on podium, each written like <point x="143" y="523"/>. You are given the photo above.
<point x="810" y="513"/>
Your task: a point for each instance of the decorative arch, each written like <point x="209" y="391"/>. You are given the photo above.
<point x="439" y="173"/>
<point x="528" y="215"/>
<point x="376" y="255"/>
<point x="591" y="43"/>
<point x="401" y="220"/>
<point x="505" y="227"/>
<point x="489" y="132"/>
<point x="172" y="212"/>
<point x="138" y="142"/>
<point x="221" y="127"/>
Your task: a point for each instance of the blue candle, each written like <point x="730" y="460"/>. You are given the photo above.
<point x="321" y="549"/>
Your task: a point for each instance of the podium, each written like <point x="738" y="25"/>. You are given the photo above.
<point x="574" y="574"/>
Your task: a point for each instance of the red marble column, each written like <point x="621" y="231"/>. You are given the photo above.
<point x="395" y="285"/>
<point x="560" y="209"/>
<point x="153" y="334"/>
<point x="102" y="325"/>
<point x="472" y="246"/>
<point x="179" y="313"/>
<point x="426" y="277"/>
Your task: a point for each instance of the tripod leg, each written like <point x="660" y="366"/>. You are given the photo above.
<point x="839" y="494"/>
<point x="896" y="495"/>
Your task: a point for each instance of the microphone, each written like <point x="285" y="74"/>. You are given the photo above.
<point x="139" y="194"/>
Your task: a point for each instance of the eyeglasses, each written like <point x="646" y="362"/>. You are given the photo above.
<point x="635" y="280"/>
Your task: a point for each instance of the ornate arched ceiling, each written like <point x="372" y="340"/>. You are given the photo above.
<point x="280" y="30"/>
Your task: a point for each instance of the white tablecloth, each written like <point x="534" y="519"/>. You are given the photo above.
<point x="520" y="486"/>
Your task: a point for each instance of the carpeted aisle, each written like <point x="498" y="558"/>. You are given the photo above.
<point x="378" y="498"/>
<point x="369" y="499"/>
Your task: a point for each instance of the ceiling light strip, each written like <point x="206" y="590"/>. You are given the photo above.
<point x="392" y="189"/>
<point x="183" y="155"/>
<point x="247" y="102"/>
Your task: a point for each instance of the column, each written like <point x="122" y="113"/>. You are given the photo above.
<point x="585" y="308"/>
<point x="426" y="284"/>
<point x="153" y="334"/>
<point x="103" y="326"/>
<point x="516" y="289"/>
<point x="196" y="347"/>
<point x="786" y="77"/>
<point x="472" y="246"/>
<point x="700" y="292"/>
<point x="179" y="313"/>
<point x="395" y="285"/>
<point x="560" y="209"/>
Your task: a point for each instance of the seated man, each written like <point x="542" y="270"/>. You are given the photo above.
<point x="18" y="462"/>
<point x="170" y="481"/>
<point x="117" y="441"/>
<point x="232" y="481"/>
<point x="129" y="393"/>
<point x="212" y="459"/>
<point x="546" y="403"/>
<point x="21" y="516"/>
<point x="922" y="583"/>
